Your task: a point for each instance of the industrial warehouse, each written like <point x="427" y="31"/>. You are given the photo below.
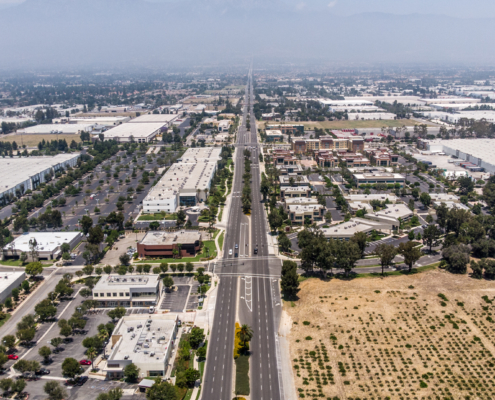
<point x="21" y="174"/>
<point x="186" y="182"/>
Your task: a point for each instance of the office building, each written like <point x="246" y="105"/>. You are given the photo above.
<point x="145" y="341"/>
<point x="62" y="129"/>
<point x="379" y="177"/>
<point x="127" y="290"/>
<point x="168" y="244"/>
<point x="48" y="244"/>
<point x="346" y="230"/>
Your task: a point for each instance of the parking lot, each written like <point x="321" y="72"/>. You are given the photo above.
<point x="183" y="297"/>
<point x="89" y="391"/>
<point x="72" y="347"/>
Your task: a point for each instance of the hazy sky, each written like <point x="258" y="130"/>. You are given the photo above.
<point x="453" y="8"/>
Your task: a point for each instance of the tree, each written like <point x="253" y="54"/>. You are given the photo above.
<point x="290" y="279"/>
<point x="431" y="235"/>
<point x="466" y="185"/>
<point x="168" y="282"/>
<point x="275" y="219"/>
<point x="346" y="255"/>
<point x="45" y="309"/>
<point x="96" y="235"/>
<point x="196" y="337"/>
<point x="191" y="375"/>
<point x="189" y="267"/>
<point x="8" y="303"/>
<point x="117" y="313"/>
<point x="125" y="259"/>
<point x="23" y="257"/>
<point x="91" y="353"/>
<point x="361" y="239"/>
<point x="34" y="268"/>
<point x="154" y="225"/>
<point x="457" y="257"/>
<point x="18" y="386"/>
<point x="162" y="391"/>
<point x="112" y="394"/>
<point x="245" y="334"/>
<point x="9" y="342"/>
<point x="411" y="235"/>
<point x="410" y="252"/>
<point x="86" y="223"/>
<point x="26" y="335"/>
<point x="54" y="390"/>
<point x="55" y="342"/>
<point x="284" y="242"/>
<point x="425" y="199"/>
<point x="5" y="384"/>
<point x="88" y="269"/>
<point x="131" y="372"/>
<point x="181" y="218"/>
<point x="25" y="286"/>
<point x="387" y="253"/>
<point x="22" y="366"/>
<point x="66" y="330"/>
<point x="107" y="269"/>
<point x="71" y="367"/>
<point x="45" y="352"/>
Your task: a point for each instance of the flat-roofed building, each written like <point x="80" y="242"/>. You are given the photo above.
<point x="299" y="213"/>
<point x="393" y="213"/>
<point x="382" y="157"/>
<point x="67" y="129"/>
<point x="48" y="244"/>
<point x="379" y="177"/>
<point x="292" y="170"/>
<point x="346" y="230"/>
<point x="326" y="159"/>
<point x="100" y="121"/>
<point x="164" y="119"/>
<point x="166" y="244"/>
<point x="274" y="136"/>
<point x="294" y="192"/>
<point x="135" y="132"/>
<point x="363" y="201"/>
<point x="300" y="180"/>
<point x="9" y="281"/>
<point x="127" y="290"/>
<point x="160" y="198"/>
<point x="353" y="160"/>
<point x="194" y="154"/>
<point x="145" y="341"/>
<point x="22" y="173"/>
<point x="287" y="129"/>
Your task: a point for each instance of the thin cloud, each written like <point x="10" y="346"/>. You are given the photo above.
<point x="332" y="4"/>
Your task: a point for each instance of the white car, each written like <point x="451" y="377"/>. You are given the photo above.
<point x="230" y="252"/>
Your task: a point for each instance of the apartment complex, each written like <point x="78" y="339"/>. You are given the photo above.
<point x="382" y="157"/>
<point x="287" y="129"/>
<point x="303" y="146"/>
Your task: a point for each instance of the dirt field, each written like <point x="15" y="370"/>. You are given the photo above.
<point x="33" y="140"/>
<point x="392" y="123"/>
<point x="394" y="338"/>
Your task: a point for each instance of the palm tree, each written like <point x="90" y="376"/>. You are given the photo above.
<point x="92" y="354"/>
<point x="245" y="334"/>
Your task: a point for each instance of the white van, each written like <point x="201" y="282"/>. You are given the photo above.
<point x="152" y="310"/>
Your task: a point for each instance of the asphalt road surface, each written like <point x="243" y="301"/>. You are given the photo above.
<point x="258" y="312"/>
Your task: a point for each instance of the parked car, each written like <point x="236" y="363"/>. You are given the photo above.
<point x="43" y="371"/>
<point x="12" y="357"/>
<point x="82" y="380"/>
<point x="85" y="362"/>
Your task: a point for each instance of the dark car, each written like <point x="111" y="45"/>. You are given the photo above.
<point x="235" y="255"/>
<point x="82" y="380"/>
<point x="43" y="371"/>
<point x="256" y="251"/>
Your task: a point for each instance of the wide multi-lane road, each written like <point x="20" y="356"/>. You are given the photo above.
<point x="218" y="382"/>
<point x="257" y="275"/>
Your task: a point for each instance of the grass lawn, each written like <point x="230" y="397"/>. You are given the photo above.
<point x="242" y="375"/>
<point x="11" y="263"/>
<point x="3" y="321"/>
<point x="182" y="392"/>
<point x="188" y="394"/>
<point x="220" y="240"/>
<point x="157" y="217"/>
<point x="206" y="244"/>
<point x="33" y="140"/>
<point x="220" y="214"/>
<point x="201" y="369"/>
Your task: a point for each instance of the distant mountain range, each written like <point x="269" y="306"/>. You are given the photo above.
<point x="79" y="33"/>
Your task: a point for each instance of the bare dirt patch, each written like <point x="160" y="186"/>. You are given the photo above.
<point x="394" y="338"/>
